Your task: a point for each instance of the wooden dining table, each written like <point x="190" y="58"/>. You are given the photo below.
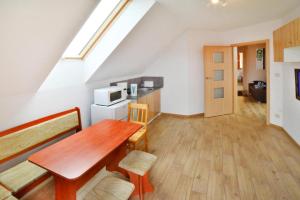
<point x="74" y="160"/>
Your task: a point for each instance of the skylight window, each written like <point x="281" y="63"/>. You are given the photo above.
<point x="94" y="27"/>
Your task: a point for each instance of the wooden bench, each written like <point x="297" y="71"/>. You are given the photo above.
<point x="17" y="141"/>
<point x="5" y="194"/>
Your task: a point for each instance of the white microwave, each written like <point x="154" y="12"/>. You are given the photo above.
<point x="109" y="96"/>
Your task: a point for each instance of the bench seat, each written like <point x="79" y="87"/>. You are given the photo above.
<point x="21" y="175"/>
<point x="5" y="194"/>
<point x="28" y="137"/>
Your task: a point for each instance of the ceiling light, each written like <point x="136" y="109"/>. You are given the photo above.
<point x="215" y="1"/>
<point x="222" y="3"/>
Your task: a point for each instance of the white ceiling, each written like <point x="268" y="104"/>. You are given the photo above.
<point x="238" y="13"/>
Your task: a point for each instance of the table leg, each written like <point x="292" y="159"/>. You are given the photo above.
<point x="116" y="157"/>
<point x="64" y="189"/>
<point x="140" y="183"/>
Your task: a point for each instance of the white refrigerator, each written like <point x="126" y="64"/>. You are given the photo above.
<point x="118" y="111"/>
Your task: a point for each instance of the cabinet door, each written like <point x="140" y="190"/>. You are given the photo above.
<point x="150" y="100"/>
<point x="157" y="102"/>
<point x="142" y="100"/>
<point x="278" y="41"/>
<point x="297" y="31"/>
<point x="285" y="37"/>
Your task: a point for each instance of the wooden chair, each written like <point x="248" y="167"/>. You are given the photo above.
<point x="138" y="164"/>
<point x="112" y="188"/>
<point x="138" y="113"/>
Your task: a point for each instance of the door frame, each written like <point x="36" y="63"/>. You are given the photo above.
<point x="267" y="43"/>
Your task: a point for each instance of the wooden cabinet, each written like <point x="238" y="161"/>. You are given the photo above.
<point x="153" y="101"/>
<point x="285" y="37"/>
<point x="278" y="45"/>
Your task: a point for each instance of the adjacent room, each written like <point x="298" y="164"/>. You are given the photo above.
<point x="251" y="79"/>
<point x="149" y="99"/>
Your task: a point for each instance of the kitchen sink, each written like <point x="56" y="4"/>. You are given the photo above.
<point x="145" y="89"/>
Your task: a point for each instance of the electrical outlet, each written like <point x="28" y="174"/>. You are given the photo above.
<point x="277" y="116"/>
<point x="277" y="75"/>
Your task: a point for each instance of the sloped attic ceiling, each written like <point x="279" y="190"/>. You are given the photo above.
<point x="33" y="36"/>
<point x="168" y="18"/>
<point x="155" y="31"/>
<point x="201" y="14"/>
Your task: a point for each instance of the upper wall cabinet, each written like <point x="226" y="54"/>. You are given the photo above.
<point x="285" y="37"/>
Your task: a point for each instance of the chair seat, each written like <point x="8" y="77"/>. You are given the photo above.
<point x="111" y="188"/>
<point x="4" y="193"/>
<point x="138" y="135"/>
<point x="21" y="175"/>
<point x="138" y="162"/>
<point x="11" y="198"/>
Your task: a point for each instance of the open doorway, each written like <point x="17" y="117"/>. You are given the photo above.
<point x="251" y="80"/>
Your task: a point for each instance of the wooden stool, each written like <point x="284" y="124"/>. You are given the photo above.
<point x="138" y="163"/>
<point x="138" y="113"/>
<point x="111" y="188"/>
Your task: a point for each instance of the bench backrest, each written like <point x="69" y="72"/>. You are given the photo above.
<point x="23" y="138"/>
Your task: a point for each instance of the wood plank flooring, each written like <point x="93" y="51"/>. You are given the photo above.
<point x="249" y="107"/>
<point x="228" y="157"/>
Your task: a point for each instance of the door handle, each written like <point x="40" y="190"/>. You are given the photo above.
<point x="208" y="78"/>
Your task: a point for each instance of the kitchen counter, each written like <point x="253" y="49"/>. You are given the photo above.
<point x="142" y="92"/>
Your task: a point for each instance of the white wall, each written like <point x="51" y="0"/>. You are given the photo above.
<point x="172" y="65"/>
<point x="65" y="86"/>
<point x="260" y="32"/>
<point x="182" y="68"/>
<point x="192" y="101"/>
<point x="291" y="106"/>
<point x="32" y="39"/>
<point x="33" y="36"/>
<point x="170" y="53"/>
<point x="63" y="89"/>
<point x="250" y="72"/>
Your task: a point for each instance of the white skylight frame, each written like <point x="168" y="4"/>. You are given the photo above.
<point x="98" y="22"/>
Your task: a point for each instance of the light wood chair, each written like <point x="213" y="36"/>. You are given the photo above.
<point x="138" y="164"/>
<point x="111" y="188"/>
<point x="138" y="113"/>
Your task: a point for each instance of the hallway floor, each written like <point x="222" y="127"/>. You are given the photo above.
<point x="228" y="157"/>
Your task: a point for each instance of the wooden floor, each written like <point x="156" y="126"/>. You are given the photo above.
<point x="248" y="107"/>
<point x="229" y="157"/>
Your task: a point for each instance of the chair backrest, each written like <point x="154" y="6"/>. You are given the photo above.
<point x="23" y="138"/>
<point x="138" y="113"/>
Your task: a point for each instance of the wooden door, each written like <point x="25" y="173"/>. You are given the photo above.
<point x="218" y="67"/>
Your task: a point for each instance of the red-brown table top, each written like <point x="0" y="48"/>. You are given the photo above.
<point x="73" y="156"/>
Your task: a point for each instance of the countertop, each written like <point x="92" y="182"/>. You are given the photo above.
<point x="142" y="92"/>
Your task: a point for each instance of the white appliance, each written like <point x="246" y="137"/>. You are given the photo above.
<point x="124" y="86"/>
<point x="109" y="96"/>
<point x="117" y="111"/>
